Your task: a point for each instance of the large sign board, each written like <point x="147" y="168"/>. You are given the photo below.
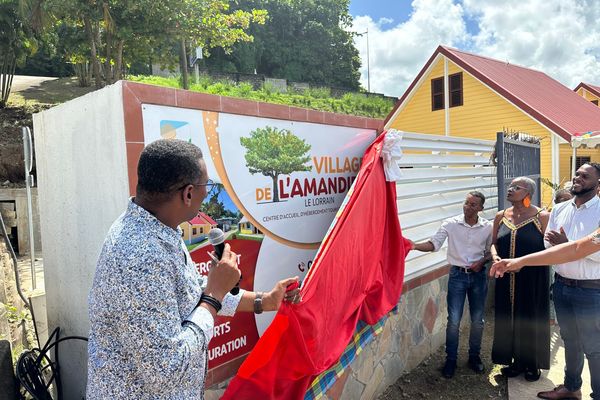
<point x="281" y="183"/>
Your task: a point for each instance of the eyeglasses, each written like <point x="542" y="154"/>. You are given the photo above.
<point x="210" y="185"/>
<point x="515" y="187"/>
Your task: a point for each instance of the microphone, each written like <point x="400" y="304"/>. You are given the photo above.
<point x="216" y="237"/>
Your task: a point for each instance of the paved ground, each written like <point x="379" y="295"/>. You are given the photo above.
<point x="520" y="389"/>
<point x="21" y="82"/>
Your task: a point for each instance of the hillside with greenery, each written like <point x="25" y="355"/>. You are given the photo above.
<point x="315" y="99"/>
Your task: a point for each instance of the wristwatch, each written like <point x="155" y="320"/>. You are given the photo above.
<point x="258" y="307"/>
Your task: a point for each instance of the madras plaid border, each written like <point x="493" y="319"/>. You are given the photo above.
<point x="364" y="334"/>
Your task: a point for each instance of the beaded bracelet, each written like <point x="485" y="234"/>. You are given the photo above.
<point x="211" y="301"/>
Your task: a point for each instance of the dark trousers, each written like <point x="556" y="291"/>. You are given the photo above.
<point x="578" y="314"/>
<point x="463" y="285"/>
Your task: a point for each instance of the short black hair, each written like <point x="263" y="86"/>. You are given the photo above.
<point x="476" y="193"/>
<point x="167" y="164"/>
<point x="596" y="166"/>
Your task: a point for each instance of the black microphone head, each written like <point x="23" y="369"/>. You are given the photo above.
<point x="216" y="237"/>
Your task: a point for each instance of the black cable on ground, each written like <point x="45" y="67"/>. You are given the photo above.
<point x="35" y="371"/>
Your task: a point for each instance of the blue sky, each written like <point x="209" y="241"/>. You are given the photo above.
<point x="396" y="10"/>
<point x="403" y="34"/>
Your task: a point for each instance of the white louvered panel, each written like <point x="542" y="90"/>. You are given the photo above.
<point x="416" y="255"/>
<point x="409" y="160"/>
<point x="489" y="214"/>
<point x="435" y="186"/>
<point x="418" y="142"/>
<point x="408" y="205"/>
<point x="436" y="172"/>
<point x="428" y="260"/>
<point x="434" y="214"/>
<point x="444" y="141"/>
<point x="421" y="232"/>
<point x="411" y="190"/>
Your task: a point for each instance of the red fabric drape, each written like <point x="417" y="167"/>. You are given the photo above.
<point x="357" y="274"/>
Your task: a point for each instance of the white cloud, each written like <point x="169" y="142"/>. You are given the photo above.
<point x="397" y="54"/>
<point x="558" y="37"/>
<point x="385" y="21"/>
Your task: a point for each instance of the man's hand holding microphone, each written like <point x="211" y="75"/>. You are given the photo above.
<point x="224" y="276"/>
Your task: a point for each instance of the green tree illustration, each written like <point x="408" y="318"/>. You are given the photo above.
<point x="273" y="152"/>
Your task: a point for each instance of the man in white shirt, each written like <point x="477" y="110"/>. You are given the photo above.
<point x="576" y="291"/>
<point x="469" y="240"/>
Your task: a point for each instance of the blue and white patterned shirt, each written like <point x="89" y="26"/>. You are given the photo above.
<point x="148" y="340"/>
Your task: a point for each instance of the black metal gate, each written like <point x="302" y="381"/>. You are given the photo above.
<point x="517" y="157"/>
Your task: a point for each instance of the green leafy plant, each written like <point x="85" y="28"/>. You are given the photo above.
<point x="14" y="316"/>
<point x="316" y="99"/>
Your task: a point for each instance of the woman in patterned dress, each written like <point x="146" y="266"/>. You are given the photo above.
<point x="522" y="300"/>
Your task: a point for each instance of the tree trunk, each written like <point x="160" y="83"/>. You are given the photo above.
<point x="183" y="65"/>
<point x="7" y="72"/>
<point x="108" y="72"/>
<point x="93" y="55"/>
<point x="100" y="78"/>
<point x="83" y="72"/>
<point x="119" y="61"/>
<point x="275" y="189"/>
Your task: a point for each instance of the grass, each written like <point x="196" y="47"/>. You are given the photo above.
<point x="315" y="98"/>
<point x="59" y="90"/>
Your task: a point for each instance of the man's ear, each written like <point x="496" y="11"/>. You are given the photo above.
<point x="186" y="194"/>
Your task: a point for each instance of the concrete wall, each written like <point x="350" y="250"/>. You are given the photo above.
<point x="90" y="172"/>
<point x="19" y="197"/>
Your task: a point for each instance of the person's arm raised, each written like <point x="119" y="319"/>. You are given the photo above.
<point x="560" y="254"/>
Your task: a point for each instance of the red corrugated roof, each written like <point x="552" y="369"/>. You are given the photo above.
<point x="595" y="90"/>
<point x="207" y="218"/>
<point x="545" y="99"/>
<point x="202" y="219"/>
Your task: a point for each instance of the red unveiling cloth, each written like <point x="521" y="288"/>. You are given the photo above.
<point x="357" y="274"/>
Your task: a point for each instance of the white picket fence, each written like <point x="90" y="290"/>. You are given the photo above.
<point x="438" y="173"/>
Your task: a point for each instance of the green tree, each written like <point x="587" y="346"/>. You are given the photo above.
<point x="19" y="23"/>
<point x="109" y="35"/>
<point x="213" y="207"/>
<point x="272" y="152"/>
<point x="303" y="40"/>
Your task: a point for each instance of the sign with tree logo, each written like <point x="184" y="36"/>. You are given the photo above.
<point x="281" y="184"/>
<point x="273" y="152"/>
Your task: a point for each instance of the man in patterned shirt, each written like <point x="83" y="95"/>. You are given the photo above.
<point x="151" y="313"/>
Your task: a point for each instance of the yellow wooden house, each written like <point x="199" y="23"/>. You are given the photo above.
<point x="462" y="94"/>
<point x="589" y="92"/>
<point x="247" y="228"/>
<point x="196" y="230"/>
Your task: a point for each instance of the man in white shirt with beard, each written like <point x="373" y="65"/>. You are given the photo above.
<point x="576" y="291"/>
